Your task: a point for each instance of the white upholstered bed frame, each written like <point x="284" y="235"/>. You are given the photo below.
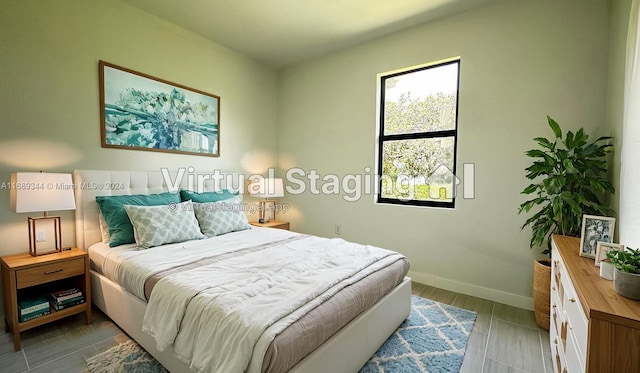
<point x="346" y="351"/>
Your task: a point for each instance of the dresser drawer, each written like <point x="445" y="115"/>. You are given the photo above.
<point x="578" y="325"/>
<point x="558" y="361"/>
<point x="556" y="309"/>
<point x="574" y="361"/>
<point x="49" y="272"/>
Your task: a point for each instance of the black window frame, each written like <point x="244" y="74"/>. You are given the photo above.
<point x="414" y="136"/>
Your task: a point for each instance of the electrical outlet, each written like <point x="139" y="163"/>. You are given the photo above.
<point x="41" y="236"/>
<point x="338" y="229"/>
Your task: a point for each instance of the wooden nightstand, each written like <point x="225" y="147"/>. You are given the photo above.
<point x="279" y="224"/>
<point x="23" y="272"/>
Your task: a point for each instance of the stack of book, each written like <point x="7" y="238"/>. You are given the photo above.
<point x="32" y="308"/>
<point x="66" y="298"/>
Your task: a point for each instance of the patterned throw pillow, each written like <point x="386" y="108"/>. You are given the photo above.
<point x="222" y="217"/>
<point x="120" y="228"/>
<point x="158" y="225"/>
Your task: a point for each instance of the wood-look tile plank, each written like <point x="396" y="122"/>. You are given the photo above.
<point x="548" y="364"/>
<point x="417" y="287"/>
<point x="547" y="356"/>
<point x="112" y="342"/>
<point x="439" y="295"/>
<point x="6" y="343"/>
<point x="14" y="361"/>
<point x="475" y="352"/>
<point x="74" y="362"/>
<point x="515" y="345"/>
<point x="75" y="325"/>
<point x="492" y="366"/>
<point x="515" y="315"/>
<point x="69" y="342"/>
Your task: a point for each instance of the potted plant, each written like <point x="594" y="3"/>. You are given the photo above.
<point x="626" y="272"/>
<point x="568" y="177"/>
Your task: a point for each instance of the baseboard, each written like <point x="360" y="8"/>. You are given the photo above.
<point x="473" y="290"/>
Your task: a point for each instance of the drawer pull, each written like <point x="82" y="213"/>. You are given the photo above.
<point x="52" y="272"/>
<point x="572" y="300"/>
<point x="553" y="288"/>
<point x="555" y="341"/>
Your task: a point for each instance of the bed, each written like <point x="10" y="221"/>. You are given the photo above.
<point x="344" y="347"/>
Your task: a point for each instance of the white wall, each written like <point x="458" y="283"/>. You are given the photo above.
<point x="619" y="15"/>
<point x="50" y="105"/>
<point x="520" y="61"/>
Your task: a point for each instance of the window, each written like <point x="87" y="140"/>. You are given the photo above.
<point x="418" y="135"/>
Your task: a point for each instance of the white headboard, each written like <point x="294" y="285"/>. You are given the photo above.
<point x="92" y="183"/>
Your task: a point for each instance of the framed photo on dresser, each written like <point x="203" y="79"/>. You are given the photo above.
<point x="603" y="248"/>
<point x="595" y="229"/>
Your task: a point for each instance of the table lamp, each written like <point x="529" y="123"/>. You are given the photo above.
<point x="42" y="191"/>
<point x="267" y="188"/>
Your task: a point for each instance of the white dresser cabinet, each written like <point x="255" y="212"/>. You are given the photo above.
<point x="593" y="328"/>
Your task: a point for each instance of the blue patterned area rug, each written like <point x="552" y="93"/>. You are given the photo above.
<point x="432" y="339"/>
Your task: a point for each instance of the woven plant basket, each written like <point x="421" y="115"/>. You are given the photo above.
<point x="542" y="292"/>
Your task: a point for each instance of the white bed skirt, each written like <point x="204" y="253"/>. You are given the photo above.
<point x="346" y="352"/>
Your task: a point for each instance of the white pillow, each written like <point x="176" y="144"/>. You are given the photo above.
<point x="158" y="225"/>
<point x="216" y="218"/>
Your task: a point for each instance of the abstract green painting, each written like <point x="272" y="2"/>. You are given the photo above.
<point x="142" y="112"/>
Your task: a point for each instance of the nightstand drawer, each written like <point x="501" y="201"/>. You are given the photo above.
<point x="49" y="272"/>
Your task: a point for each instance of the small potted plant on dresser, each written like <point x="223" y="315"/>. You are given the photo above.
<point x="626" y="272"/>
<point x="568" y="177"/>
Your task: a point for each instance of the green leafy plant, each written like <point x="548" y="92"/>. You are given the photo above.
<point x="625" y="260"/>
<point x="568" y="178"/>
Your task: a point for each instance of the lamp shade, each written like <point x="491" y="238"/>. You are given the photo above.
<point x="267" y="188"/>
<point x="41" y="191"/>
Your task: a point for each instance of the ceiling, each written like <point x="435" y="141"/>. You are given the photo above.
<point x="284" y="32"/>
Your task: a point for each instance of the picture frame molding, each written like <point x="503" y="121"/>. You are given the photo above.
<point x="610" y="221"/>
<point x="103" y="131"/>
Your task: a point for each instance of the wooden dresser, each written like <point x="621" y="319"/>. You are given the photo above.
<point x="593" y="328"/>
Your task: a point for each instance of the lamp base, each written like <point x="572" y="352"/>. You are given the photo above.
<point x="267" y="213"/>
<point x="57" y="233"/>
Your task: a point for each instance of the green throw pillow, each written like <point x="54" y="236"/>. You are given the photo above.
<point x="112" y="208"/>
<point x="216" y="218"/>
<point x="159" y="225"/>
<point x="220" y="195"/>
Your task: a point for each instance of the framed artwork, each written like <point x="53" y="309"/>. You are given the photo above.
<point x="594" y="229"/>
<point x="141" y="112"/>
<point x="602" y="248"/>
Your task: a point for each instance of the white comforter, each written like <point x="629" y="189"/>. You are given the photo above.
<point x="221" y="317"/>
<point x="130" y="267"/>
